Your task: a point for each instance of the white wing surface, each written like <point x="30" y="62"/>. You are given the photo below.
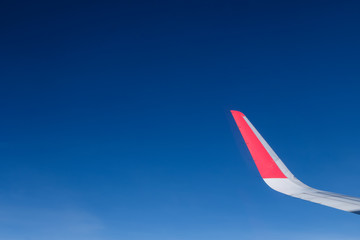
<point x="278" y="177"/>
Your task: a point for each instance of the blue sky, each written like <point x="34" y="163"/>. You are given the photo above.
<point x="115" y="118"/>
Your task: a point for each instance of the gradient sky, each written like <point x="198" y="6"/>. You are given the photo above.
<point x="115" y="119"/>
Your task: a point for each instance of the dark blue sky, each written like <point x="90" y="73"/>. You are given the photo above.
<point x="115" y="118"/>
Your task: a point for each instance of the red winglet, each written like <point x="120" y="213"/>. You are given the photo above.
<point x="264" y="162"/>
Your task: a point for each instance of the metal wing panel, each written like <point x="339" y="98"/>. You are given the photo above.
<point x="291" y="188"/>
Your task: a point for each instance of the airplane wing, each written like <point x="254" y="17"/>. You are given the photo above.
<point x="278" y="177"/>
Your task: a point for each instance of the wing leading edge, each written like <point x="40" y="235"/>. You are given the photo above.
<point x="278" y="177"/>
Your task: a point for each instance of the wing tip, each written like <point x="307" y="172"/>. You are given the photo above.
<point x="237" y="113"/>
<point x="258" y="147"/>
